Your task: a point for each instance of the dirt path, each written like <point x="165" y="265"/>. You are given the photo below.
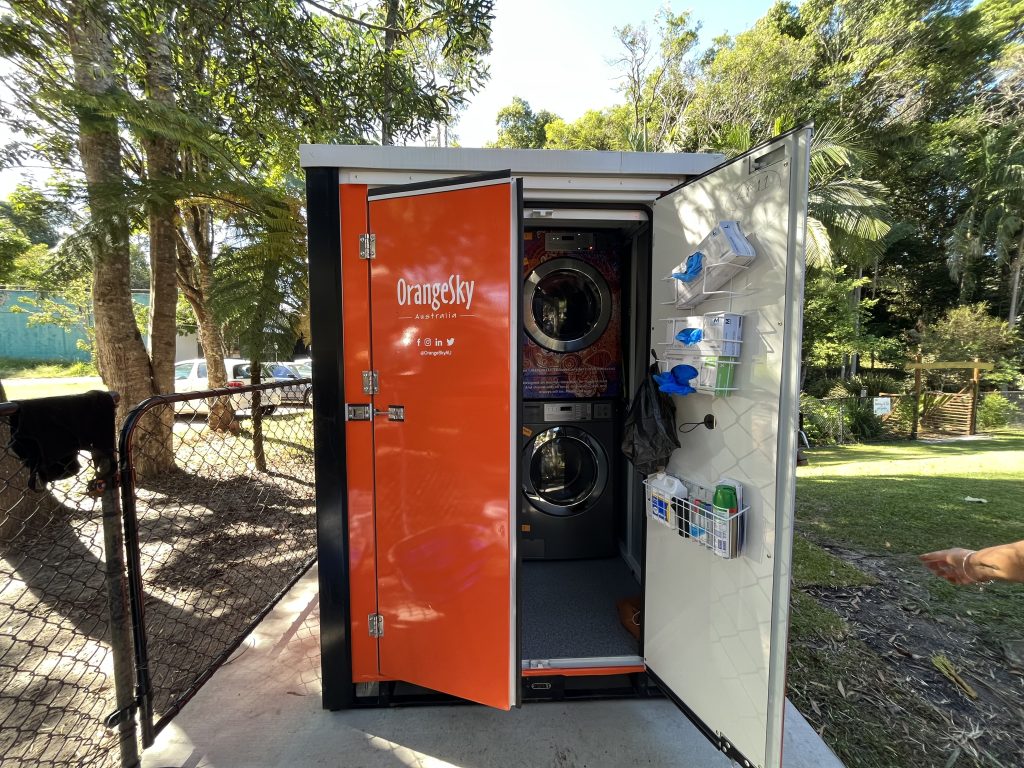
<point x="902" y="622"/>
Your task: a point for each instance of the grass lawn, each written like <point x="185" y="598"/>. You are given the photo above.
<point x="22" y="389"/>
<point x="17" y="368"/>
<point x="909" y="497"/>
<point x="871" y="627"/>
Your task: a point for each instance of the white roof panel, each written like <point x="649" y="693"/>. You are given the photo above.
<point x="548" y="174"/>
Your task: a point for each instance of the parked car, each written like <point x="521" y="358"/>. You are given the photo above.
<point x="192" y="376"/>
<point x="300" y="393"/>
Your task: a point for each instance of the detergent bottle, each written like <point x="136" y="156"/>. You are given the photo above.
<point x="664" y="498"/>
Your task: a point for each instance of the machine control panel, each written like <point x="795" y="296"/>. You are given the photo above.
<point x="568" y="242"/>
<point x="567" y="411"/>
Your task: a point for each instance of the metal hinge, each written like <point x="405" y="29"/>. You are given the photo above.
<point x="371" y="383"/>
<point x="367" y="246"/>
<point x="376" y="622"/>
<point x="358" y="412"/>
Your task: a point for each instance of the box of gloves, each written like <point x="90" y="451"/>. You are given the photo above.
<point x="719" y="257"/>
<point x="686" y="374"/>
<point x="714" y="334"/>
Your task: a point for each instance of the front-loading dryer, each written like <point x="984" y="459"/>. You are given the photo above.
<point x="572" y="315"/>
<point x="568" y="480"/>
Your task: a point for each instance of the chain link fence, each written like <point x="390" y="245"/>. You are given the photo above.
<point x="56" y="664"/>
<point x="217" y="532"/>
<point x="218" y="524"/>
<point x="1001" y="410"/>
<point x="840" y="420"/>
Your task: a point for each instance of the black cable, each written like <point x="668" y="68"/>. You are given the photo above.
<point x="708" y="421"/>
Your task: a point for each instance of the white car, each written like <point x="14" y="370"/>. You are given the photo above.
<point x="192" y="376"/>
<point x="299" y="393"/>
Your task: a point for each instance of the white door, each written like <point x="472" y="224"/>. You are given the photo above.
<point x="715" y="629"/>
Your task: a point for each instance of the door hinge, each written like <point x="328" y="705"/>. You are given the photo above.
<point x="358" y="412"/>
<point x="367" y="246"/>
<point x="376" y="622"/>
<point x="371" y="383"/>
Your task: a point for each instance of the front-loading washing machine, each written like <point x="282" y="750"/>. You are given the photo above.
<point x="572" y="315"/>
<point x="568" y="480"/>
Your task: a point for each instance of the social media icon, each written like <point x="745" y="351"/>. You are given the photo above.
<point x="426" y="342"/>
<point x="451" y="342"/>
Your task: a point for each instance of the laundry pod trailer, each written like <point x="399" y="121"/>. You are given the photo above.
<point x="486" y="541"/>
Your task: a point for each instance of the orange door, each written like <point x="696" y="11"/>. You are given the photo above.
<point x="444" y="286"/>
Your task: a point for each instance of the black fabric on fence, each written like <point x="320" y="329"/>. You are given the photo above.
<point x="47" y="433"/>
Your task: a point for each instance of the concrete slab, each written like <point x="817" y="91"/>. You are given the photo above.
<point x="262" y="708"/>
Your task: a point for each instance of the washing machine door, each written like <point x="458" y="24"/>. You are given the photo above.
<point x="565" y="470"/>
<point x="566" y="305"/>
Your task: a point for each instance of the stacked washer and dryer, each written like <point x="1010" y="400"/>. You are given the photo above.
<point x="572" y="386"/>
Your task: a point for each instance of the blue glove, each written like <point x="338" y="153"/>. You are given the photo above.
<point x="676" y="381"/>
<point x="690" y="336"/>
<point x="694" y="264"/>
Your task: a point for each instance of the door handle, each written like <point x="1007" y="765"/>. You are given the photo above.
<point x="393" y="412"/>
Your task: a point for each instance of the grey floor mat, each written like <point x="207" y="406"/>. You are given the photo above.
<point x="569" y="608"/>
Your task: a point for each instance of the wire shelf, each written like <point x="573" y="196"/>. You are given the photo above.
<point x="695" y="517"/>
<point x="715" y="375"/>
<point x="721" y="335"/>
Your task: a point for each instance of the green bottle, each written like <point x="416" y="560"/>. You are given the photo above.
<point x="726" y="524"/>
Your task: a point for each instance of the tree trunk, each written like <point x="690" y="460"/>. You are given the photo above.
<point x="120" y="352"/>
<point x="1015" y="270"/>
<point x="162" y="167"/>
<point x="387" y="128"/>
<point x="259" y="454"/>
<point x="195" y="274"/>
<point x="857" y="295"/>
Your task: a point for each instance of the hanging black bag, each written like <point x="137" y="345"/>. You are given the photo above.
<point x="649" y="436"/>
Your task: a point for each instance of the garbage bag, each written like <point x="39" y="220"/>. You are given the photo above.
<point x="649" y="436"/>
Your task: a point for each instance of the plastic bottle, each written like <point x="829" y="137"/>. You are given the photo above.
<point x="664" y="494"/>
<point x="726" y="508"/>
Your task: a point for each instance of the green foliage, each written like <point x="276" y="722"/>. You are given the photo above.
<point x="834" y="325"/>
<point x="607" y="129"/>
<point x="13" y="246"/>
<point x="967" y="333"/>
<point x="16" y="368"/>
<point x="876" y="383"/>
<point x="995" y="411"/>
<point x="519" y="127"/>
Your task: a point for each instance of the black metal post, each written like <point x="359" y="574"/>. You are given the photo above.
<point x="136" y="599"/>
<point x="117" y="603"/>
<point x="323" y="214"/>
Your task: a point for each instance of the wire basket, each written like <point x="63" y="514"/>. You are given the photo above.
<point x="695" y="518"/>
<point x="715" y="375"/>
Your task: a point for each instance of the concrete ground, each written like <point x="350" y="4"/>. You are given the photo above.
<point x="262" y="709"/>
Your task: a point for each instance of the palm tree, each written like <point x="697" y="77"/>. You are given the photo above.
<point x="993" y="223"/>
<point x="848" y="217"/>
<point x="259" y="287"/>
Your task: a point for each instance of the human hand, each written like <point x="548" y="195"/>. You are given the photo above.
<point x="954" y="565"/>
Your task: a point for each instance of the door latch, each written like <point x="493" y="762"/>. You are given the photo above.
<point x="376" y="624"/>
<point x="394" y="413"/>
<point x="358" y="412"/>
